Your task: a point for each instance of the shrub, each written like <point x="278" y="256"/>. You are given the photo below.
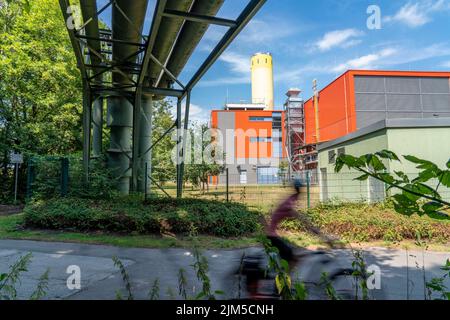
<point x="128" y="214"/>
<point x="364" y="222"/>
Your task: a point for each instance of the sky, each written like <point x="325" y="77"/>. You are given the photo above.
<point x="320" y="40"/>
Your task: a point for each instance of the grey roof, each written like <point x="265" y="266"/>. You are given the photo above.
<point x="386" y="124"/>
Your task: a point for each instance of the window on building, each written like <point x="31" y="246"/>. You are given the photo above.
<point x="276" y="120"/>
<point x="341" y="152"/>
<point x="243" y="177"/>
<point x="268" y="175"/>
<point x="331" y="156"/>
<point x="260" y="139"/>
<point x="261" y="119"/>
<point x="277" y="149"/>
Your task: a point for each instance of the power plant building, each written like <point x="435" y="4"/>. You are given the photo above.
<point x="253" y="134"/>
<point x="367" y="111"/>
<point x="360" y="98"/>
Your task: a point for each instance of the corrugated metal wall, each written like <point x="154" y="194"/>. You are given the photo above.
<point x="379" y="98"/>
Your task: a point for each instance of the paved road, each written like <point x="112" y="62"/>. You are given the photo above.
<point x="100" y="279"/>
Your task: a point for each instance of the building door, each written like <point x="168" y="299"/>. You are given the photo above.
<point x="243" y="177"/>
<point x="376" y="190"/>
<point x="324" y="184"/>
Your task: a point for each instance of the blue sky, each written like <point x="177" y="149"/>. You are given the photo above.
<point x="320" y="39"/>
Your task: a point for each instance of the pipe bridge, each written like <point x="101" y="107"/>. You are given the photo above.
<point x="128" y="68"/>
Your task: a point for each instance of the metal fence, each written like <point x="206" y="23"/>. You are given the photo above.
<point x="64" y="176"/>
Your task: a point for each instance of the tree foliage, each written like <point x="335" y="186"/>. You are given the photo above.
<point x="163" y="169"/>
<point x="40" y="95"/>
<point x="198" y="172"/>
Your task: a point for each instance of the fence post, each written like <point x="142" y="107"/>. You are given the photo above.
<point x="145" y="181"/>
<point x="30" y="179"/>
<point x="228" y="184"/>
<point x="64" y="176"/>
<point x="308" y="191"/>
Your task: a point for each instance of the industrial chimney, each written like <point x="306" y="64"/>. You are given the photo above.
<point x="262" y="80"/>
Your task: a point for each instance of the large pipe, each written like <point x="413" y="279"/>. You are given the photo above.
<point x="145" y="143"/>
<point x="89" y="12"/>
<point x="166" y="37"/>
<point x="120" y="110"/>
<point x="189" y="38"/>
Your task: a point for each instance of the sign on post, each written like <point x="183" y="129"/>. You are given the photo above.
<point x="15" y="158"/>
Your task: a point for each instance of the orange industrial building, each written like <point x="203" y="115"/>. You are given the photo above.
<point x="253" y="142"/>
<point x="360" y="98"/>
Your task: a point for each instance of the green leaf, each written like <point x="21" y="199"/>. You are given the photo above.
<point x="402" y="176"/>
<point x="386" y="154"/>
<point x="426" y="175"/>
<point x="278" y="283"/>
<point x="364" y="177"/>
<point x="426" y="190"/>
<point x="444" y="178"/>
<point x="386" y="177"/>
<point x="374" y="162"/>
<point x="448" y="164"/>
<point x="431" y="207"/>
<point x="422" y="164"/>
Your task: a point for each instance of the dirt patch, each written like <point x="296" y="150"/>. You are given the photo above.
<point x="7" y="210"/>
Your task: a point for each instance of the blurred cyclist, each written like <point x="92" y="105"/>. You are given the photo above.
<point x="286" y="210"/>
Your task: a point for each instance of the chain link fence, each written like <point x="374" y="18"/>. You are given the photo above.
<point x="60" y="176"/>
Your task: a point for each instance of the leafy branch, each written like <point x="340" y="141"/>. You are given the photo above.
<point x="413" y="191"/>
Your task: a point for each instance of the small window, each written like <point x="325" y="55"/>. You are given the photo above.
<point x="341" y="152"/>
<point x="261" y="119"/>
<point x="260" y="139"/>
<point x="331" y="156"/>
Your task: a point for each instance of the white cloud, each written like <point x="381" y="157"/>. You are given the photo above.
<point x="419" y="13"/>
<point x="238" y="63"/>
<point x="369" y="61"/>
<point x="446" y="64"/>
<point x="230" y="81"/>
<point x="339" y="38"/>
<point x="196" y="113"/>
<point x="266" y="31"/>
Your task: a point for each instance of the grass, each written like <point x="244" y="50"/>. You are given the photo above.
<point x="10" y="228"/>
<point x="355" y="223"/>
<point x="261" y="197"/>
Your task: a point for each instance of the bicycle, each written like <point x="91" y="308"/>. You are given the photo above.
<point x="319" y="272"/>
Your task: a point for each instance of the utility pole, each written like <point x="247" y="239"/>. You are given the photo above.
<point x="316" y="109"/>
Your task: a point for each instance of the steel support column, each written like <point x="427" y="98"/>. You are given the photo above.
<point x="184" y="137"/>
<point x="178" y="157"/>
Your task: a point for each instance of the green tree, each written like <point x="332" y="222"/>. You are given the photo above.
<point x="163" y="167"/>
<point x="40" y="95"/>
<point x="198" y="172"/>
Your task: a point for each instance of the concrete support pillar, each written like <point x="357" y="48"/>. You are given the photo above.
<point x="120" y="122"/>
<point x="145" y="143"/>
<point x="97" y="131"/>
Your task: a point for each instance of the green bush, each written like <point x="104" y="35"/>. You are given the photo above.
<point x="128" y="215"/>
<point x="364" y="222"/>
